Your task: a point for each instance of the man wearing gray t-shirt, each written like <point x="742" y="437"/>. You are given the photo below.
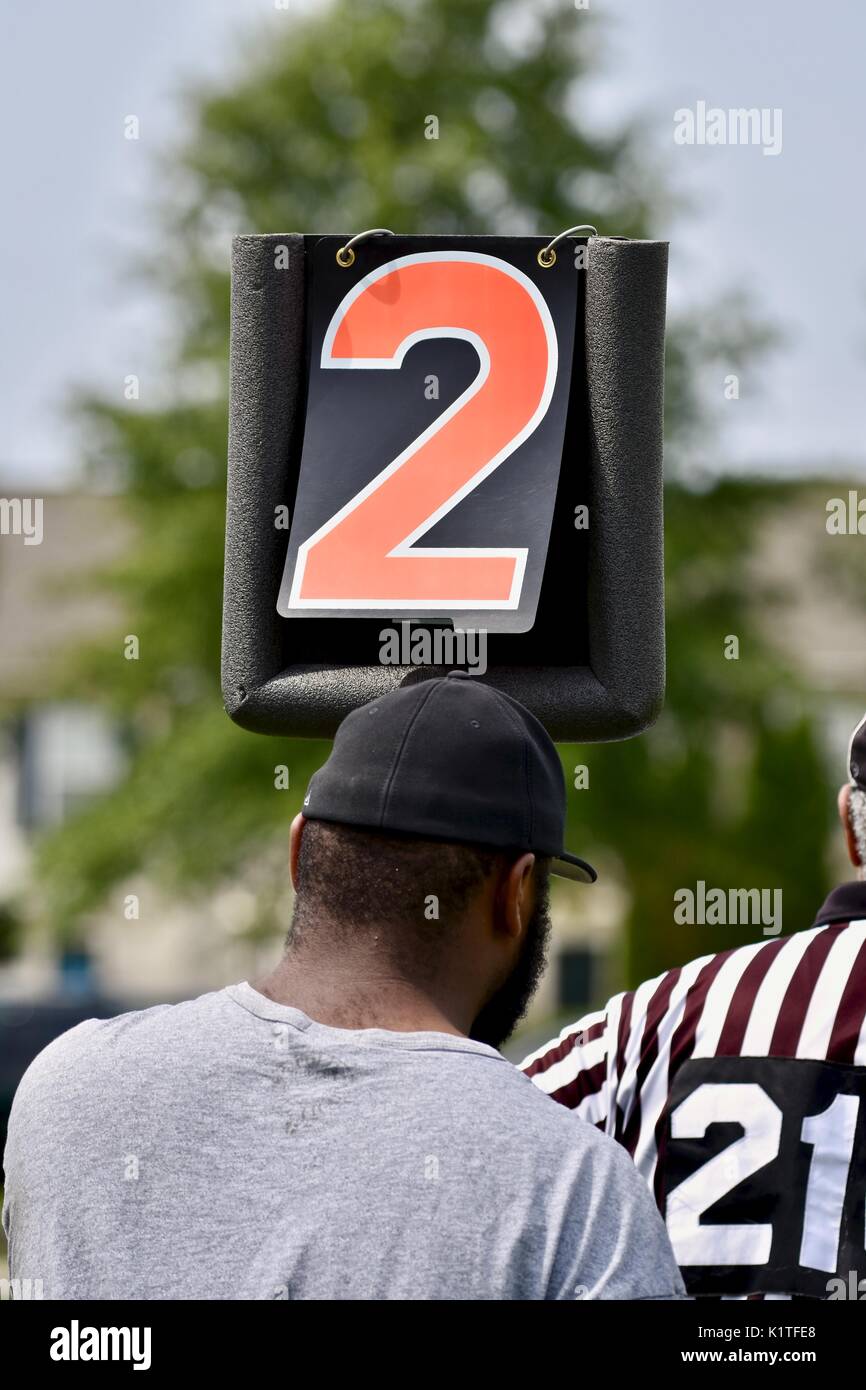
<point x="346" y="1128"/>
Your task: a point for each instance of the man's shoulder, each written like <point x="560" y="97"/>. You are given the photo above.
<point x="511" y="1103"/>
<point x="609" y="1237"/>
<point x="72" y="1065"/>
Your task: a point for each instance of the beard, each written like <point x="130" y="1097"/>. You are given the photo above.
<point x="504" y="1010"/>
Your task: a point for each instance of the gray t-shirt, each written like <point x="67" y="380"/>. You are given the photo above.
<point x="230" y="1147"/>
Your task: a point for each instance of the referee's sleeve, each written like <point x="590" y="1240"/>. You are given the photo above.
<point x="576" y="1068"/>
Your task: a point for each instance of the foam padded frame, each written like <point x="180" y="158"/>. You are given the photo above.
<point x="621" y="690"/>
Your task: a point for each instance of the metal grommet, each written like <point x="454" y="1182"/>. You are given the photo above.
<point x="345" y="255"/>
<point x="547" y="254"/>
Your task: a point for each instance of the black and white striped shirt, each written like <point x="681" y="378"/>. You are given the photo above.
<point x="738" y="1085"/>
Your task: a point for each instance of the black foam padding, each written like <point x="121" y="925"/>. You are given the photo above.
<point x="621" y="689"/>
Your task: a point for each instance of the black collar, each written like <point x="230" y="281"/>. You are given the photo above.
<point x="847" y="903"/>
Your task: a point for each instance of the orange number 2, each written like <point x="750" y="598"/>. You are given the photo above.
<point x="365" y="556"/>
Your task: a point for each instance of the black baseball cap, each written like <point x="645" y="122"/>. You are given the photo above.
<point x="857" y="756"/>
<point x="449" y="758"/>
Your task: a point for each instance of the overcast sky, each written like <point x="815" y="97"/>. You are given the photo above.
<point x="787" y="227"/>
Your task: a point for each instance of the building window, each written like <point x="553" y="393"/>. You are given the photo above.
<point x="68" y="754"/>
<point x="576" y="982"/>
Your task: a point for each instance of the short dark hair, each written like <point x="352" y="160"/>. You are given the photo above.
<point x="350" y="878"/>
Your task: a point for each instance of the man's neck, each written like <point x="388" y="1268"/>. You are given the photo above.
<point x="356" y="994"/>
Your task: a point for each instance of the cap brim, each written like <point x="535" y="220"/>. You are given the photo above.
<point x="569" y="866"/>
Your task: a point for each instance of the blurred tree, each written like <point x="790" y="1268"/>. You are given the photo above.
<point x="323" y="128"/>
<point x="728" y="787"/>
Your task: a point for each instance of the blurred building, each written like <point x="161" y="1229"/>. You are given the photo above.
<point x="56" y="755"/>
<point x="53" y="755"/>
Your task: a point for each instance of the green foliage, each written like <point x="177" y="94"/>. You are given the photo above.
<point x="728" y="787"/>
<point x="324" y="129"/>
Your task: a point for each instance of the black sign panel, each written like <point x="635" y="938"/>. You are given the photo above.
<point x="483" y="520"/>
<point x="764" y="1163"/>
<point x="438" y="390"/>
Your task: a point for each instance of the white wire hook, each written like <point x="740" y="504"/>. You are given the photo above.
<point x="345" y="254"/>
<point x="547" y="254"/>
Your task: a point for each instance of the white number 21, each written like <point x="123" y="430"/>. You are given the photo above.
<point x="831" y="1137"/>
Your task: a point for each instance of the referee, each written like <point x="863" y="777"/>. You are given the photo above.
<point x="738" y="1085"/>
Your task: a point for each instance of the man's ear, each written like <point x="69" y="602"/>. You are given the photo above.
<point x="517" y="896"/>
<point x="845" y="817"/>
<point x="295" y="834"/>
